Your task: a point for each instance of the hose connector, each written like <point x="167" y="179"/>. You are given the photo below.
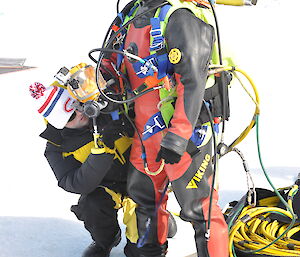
<point x="222" y="149"/>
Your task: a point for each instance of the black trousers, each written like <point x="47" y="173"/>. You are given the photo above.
<point x="97" y="212"/>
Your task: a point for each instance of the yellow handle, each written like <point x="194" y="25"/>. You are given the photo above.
<point x="231" y="2"/>
<point x="154" y="173"/>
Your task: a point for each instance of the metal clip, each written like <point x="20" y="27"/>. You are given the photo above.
<point x="157" y="46"/>
<point x="251" y="196"/>
<point x="118" y="41"/>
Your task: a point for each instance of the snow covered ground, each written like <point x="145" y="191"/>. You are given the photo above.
<point x="35" y="219"/>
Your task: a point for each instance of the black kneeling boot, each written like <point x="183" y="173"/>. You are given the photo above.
<point x="131" y="250"/>
<point x="94" y="250"/>
<point x="154" y="250"/>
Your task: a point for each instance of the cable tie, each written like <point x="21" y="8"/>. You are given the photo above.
<point x="243" y="242"/>
<point x="207" y="234"/>
<point x="246" y="218"/>
<point x="143" y="156"/>
<point x="268" y="219"/>
<point x="246" y="167"/>
<point x="290" y="246"/>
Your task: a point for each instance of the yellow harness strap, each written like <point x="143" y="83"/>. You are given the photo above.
<point x="129" y="216"/>
<point x="129" y="219"/>
<point x="81" y="153"/>
<point x="121" y="145"/>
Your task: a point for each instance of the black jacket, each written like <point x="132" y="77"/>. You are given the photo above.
<point x="68" y="152"/>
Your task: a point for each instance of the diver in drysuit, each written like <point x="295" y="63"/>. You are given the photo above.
<point x="178" y="150"/>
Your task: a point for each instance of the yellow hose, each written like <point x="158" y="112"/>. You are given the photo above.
<point x="254" y="231"/>
<point x="256" y="112"/>
<point x="247" y="216"/>
<point x="231" y="2"/>
<point x="255" y="99"/>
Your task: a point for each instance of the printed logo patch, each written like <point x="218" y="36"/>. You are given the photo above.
<point x="154" y="125"/>
<point x="174" y="55"/>
<point x="68" y="107"/>
<point x="199" y="173"/>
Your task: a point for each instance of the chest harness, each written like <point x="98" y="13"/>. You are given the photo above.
<point x="157" y="70"/>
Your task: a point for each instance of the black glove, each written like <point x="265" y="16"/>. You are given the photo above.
<point x="112" y="132"/>
<point x="168" y="155"/>
<point x="127" y="128"/>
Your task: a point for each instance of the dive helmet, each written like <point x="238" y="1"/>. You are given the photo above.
<point x="80" y="81"/>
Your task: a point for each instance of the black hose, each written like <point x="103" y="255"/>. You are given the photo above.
<point x="214" y="168"/>
<point x="108" y="32"/>
<point x="221" y="63"/>
<point x="217" y="31"/>
<point x="97" y="78"/>
<point x="106" y="49"/>
<point x="132" y="20"/>
<point x="103" y="49"/>
<point x="118" y="9"/>
<point x="113" y="36"/>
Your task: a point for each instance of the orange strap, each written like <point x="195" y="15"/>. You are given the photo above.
<point x="152" y="81"/>
<point x="201" y="2"/>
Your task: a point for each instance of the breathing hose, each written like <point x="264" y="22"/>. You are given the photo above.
<point x="256" y="100"/>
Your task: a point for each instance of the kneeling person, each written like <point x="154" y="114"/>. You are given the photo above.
<point x="99" y="178"/>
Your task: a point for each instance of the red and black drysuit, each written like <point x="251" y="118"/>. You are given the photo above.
<point x="194" y="38"/>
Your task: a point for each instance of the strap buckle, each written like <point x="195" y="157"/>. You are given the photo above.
<point x="156" y="33"/>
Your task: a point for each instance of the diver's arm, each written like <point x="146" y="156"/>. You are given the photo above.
<point x="194" y="39"/>
<point x="74" y="176"/>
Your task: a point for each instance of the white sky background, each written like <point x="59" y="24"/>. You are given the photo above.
<point x="52" y="34"/>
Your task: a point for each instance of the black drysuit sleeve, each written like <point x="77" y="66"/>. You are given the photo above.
<point x="74" y="176"/>
<point x="194" y="39"/>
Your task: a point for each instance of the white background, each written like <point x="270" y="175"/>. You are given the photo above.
<point x="34" y="213"/>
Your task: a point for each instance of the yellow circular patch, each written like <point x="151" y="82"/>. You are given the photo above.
<point x="175" y="55"/>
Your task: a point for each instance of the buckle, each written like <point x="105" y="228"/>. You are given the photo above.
<point x="155" y="32"/>
<point x="157" y="46"/>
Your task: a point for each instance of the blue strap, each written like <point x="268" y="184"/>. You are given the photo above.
<point x="156" y="33"/>
<point x="162" y="61"/>
<point x="120" y="57"/>
<point x="198" y="135"/>
<point x="115" y="115"/>
<point x="133" y="9"/>
<point x="163" y="12"/>
<point x="121" y="16"/>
